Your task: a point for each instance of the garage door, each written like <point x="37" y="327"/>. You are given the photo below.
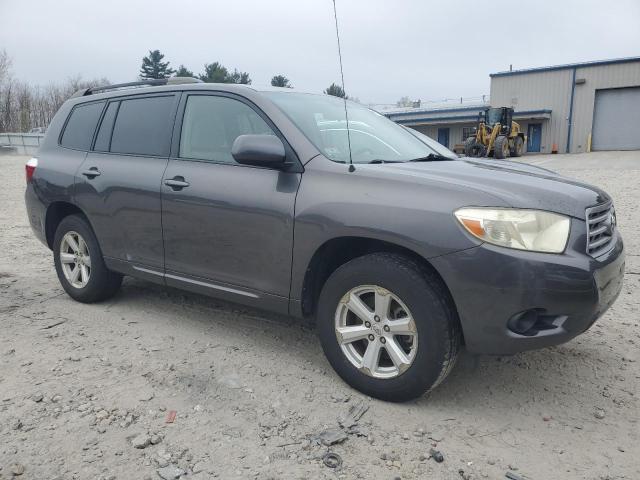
<point x="616" y="119"/>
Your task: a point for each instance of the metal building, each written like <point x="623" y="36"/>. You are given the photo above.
<point x="576" y="107"/>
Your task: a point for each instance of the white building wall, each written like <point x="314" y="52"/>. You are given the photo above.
<point x="544" y="89"/>
<point x="551" y="89"/>
<point x="548" y="90"/>
<point x="428" y="130"/>
<point x="455" y="132"/>
<point x="617" y="75"/>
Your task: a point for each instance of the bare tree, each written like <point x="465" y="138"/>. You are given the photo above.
<point x="5" y="90"/>
<point x="24" y="106"/>
<point x="6" y="95"/>
<point x="5" y="65"/>
<point x="407" y="102"/>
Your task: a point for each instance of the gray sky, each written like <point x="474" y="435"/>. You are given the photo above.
<point x="391" y="48"/>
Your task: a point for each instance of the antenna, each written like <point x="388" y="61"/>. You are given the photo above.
<point x="346" y="114"/>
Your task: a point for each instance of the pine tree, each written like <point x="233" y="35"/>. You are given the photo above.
<point x="184" y="72"/>
<point x="239" y="77"/>
<point x="281" y="81"/>
<point x="217" y="73"/>
<point x="214" y="73"/>
<point x="336" y="91"/>
<point x="154" y="67"/>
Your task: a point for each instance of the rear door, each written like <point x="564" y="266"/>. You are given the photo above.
<point x="118" y="184"/>
<point x="228" y="228"/>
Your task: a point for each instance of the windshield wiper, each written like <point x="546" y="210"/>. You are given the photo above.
<point x="432" y="157"/>
<point x="384" y="161"/>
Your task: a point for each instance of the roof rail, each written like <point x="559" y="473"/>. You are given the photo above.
<point x="141" y="83"/>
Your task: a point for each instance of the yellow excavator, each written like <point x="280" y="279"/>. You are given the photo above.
<point x="497" y="135"/>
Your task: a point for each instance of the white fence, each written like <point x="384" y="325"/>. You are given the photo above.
<point x="20" y="143"/>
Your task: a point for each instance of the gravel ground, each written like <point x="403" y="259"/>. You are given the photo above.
<point x="87" y="391"/>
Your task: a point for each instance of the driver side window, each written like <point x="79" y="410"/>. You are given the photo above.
<point x="211" y="124"/>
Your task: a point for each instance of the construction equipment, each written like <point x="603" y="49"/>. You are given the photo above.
<point x="496" y="135"/>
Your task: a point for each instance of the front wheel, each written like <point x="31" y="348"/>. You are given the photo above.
<point x="473" y="148"/>
<point x="388" y="327"/>
<point x="501" y="147"/>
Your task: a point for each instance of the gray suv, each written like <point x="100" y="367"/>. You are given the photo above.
<point x="401" y="251"/>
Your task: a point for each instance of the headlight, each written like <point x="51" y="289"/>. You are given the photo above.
<point x="522" y="229"/>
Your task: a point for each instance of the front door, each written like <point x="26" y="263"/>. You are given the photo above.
<point x="443" y="136"/>
<point x="228" y="228"/>
<point x="534" y="137"/>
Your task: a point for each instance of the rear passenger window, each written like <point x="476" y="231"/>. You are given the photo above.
<point x="103" y="139"/>
<point x="78" y="132"/>
<point x="143" y="126"/>
<point x="211" y="124"/>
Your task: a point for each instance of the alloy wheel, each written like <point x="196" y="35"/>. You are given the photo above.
<point x="376" y="331"/>
<point x="75" y="259"/>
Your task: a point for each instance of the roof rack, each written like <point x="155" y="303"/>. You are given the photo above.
<point x="150" y="82"/>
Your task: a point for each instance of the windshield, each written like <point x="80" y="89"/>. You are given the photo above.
<point x="374" y="137"/>
<point x="493" y="116"/>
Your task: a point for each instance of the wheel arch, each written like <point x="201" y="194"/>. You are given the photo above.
<point x="56" y="212"/>
<point x="338" y="251"/>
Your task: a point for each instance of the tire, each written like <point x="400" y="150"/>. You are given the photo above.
<point x="501" y="147"/>
<point x="518" y="147"/>
<point x="94" y="281"/>
<point x="428" y="303"/>
<point x="471" y="148"/>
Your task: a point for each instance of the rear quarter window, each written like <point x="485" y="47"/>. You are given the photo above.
<point x="78" y="132"/>
<point x="143" y="126"/>
<point x="103" y="138"/>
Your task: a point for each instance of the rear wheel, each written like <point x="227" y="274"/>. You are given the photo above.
<point x="472" y="148"/>
<point x="501" y="147"/>
<point x="387" y="326"/>
<point x="79" y="263"/>
<point x="518" y="147"/>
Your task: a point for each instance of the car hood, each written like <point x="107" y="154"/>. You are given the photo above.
<point x="517" y="184"/>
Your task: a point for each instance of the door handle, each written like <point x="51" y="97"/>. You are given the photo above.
<point x="176" y="183"/>
<point x="91" y="173"/>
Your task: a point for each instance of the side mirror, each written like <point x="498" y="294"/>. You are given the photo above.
<point x="259" y="150"/>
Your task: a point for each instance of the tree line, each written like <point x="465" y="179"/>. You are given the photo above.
<point x="24" y="106"/>
<point x="153" y="67"/>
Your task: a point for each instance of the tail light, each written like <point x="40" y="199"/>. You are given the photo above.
<point x="30" y="168"/>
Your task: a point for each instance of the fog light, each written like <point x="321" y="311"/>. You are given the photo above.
<point x="523" y="322"/>
<point x="535" y="321"/>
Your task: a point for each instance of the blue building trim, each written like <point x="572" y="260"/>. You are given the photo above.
<point x="461" y="117"/>
<point x="596" y="63"/>
<point x="425" y="110"/>
<point x="533" y="112"/>
<point x="435" y="119"/>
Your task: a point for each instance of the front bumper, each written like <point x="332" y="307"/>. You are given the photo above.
<point x="490" y="285"/>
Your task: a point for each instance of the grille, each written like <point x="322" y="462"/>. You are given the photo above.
<point x="601" y="222"/>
